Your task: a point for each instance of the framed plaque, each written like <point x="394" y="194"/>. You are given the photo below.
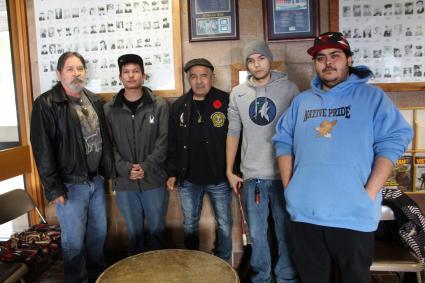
<point x="213" y="20"/>
<point x="291" y="20"/>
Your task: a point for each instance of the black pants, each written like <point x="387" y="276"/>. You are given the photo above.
<point x="315" y="248"/>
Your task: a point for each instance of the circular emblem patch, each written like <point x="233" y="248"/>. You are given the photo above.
<point x="262" y="111"/>
<point x="218" y="119"/>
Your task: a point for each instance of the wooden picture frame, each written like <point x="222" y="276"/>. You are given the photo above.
<point x="334" y="24"/>
<point x="285" y="21"/>
<point x="158" y="59"/>
<point x="213" y="20"/>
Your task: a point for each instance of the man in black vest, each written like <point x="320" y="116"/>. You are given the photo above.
<point x="196" y="155"/>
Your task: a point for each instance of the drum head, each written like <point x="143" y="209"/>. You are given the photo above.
<point x="164" y="266"/>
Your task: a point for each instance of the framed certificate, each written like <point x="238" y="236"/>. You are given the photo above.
<point x="213" y="20"/>
<point x="291" y="20"/>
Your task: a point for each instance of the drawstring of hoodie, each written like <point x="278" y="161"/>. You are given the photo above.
<point x="256" y="97"/>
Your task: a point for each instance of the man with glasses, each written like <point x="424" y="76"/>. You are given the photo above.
<point x="336" y="146"/>
<point x="72" y="150"/>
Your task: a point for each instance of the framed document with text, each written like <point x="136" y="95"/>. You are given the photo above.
<point x="213" y="20"/>
<point x="291" y="20"/>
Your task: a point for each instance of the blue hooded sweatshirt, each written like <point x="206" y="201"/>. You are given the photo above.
<point x="335" y="137"/>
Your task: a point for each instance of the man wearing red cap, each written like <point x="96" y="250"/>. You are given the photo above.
<point x="336" y="146"/>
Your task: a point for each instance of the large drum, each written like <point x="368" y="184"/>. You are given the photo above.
<point x="164" y="266"/>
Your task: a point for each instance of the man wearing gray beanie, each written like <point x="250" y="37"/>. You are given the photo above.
<point x="255" y="106"/>
<point x="257" y="47"/>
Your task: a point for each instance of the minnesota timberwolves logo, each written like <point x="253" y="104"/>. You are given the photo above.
<point x="262" y="111"/>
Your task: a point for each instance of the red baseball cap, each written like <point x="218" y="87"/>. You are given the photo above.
<point x="329" y="40"/>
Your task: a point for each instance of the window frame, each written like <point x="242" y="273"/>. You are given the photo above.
<point x="19" y="160"/>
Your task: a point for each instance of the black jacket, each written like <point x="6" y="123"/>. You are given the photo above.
<point x="57" y="142"/>
<point x="138" y="138"/>
<point x="215" y="132"/>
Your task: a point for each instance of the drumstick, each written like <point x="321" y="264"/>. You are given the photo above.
<point x="244" y="225"/>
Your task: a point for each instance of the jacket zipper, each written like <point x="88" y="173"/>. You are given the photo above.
<point x="134" y="145"/>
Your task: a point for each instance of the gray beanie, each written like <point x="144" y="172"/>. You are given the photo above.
<point x="257" y="47"/>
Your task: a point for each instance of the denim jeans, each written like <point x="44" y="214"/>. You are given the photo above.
<point x="135" y="206"/>
<point x="83" y="230"/>
<point x="191" y="197"/>
<point x="271" y="194"/>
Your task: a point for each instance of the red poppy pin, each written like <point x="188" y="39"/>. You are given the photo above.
<point x="217" y="104"/>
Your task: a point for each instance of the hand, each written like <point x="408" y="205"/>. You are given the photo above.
<point x="235" y="182"/>
<point x="59" y="200"/>
<point x="136" y="172"/>
<point x="372" y="195"/>
<point x="171" y="183"/>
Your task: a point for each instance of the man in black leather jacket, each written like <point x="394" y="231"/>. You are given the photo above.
<point x="196" y="155"/>
<point x="72" y="150"/>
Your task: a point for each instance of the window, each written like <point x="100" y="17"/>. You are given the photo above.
<point x="19" y="224"/>
<point x="15" y="80"/>
<point x="9" y="130"/>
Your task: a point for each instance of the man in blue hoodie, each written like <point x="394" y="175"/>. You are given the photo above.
<point x="336" y="146"/>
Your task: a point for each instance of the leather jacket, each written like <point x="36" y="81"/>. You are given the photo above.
<point x="57" y="142"/>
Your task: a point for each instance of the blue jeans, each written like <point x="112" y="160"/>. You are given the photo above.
<point x="134" y="206"/>
<point x="191" y="197"/>
<point x="83" y="230"/>
<point x="271" y="193"/>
